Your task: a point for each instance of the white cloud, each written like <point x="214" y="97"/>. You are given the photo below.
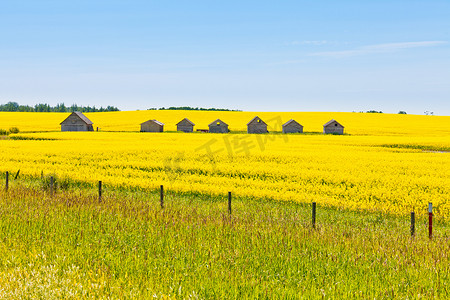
<point x="379" y="48"/>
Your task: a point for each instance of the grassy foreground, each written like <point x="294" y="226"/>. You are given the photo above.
<point x="72" y="246"/>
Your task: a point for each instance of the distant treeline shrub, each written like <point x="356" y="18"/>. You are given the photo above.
<point x="14" y="130"/>
<point x="192" y="108"/>
<point x="14" y="106"/>
<point x="30" y="138"/>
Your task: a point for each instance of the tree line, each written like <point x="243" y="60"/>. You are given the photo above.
<point x="61" y="107"/>
<point x="192" y="108"/>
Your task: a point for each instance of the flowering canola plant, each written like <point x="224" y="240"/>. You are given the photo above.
<point x="386" y="163"/>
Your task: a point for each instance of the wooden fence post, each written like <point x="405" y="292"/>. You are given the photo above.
<point x="161" y="196"/>
<point x="51" y="186"/>
<point x="413" y="224"/>
<point x="7" y="181"/>
<point x="229" y="203"/>
<point x="430" y="220"/>
<point x="17" y="175"/>
<point x="100" y="191"/>
<point x="314" y="214"/>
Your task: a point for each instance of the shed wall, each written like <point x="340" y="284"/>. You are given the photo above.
<point x="218" y="129"/>
<point x="152" y="127"/>
<point x="293" y="128"/>
<point x="257" y="128"/>
<point x="333" y="129"/>
<point x="79" y="127"/>
<point x="185" y="128"/>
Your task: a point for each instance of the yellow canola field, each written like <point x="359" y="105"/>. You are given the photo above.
<point x="355" y="123"/>
<point x="386" y="169"/>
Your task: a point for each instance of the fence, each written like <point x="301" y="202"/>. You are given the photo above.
<point x="313" y="207"/>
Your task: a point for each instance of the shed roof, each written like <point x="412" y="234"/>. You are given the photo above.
<point x="331" y="122"/>
<point x="187" y="120"/>
<point x="255" y="119"/>
<point x="79" y="115"/>
<point x="291" y="121"/>
<point x="218" y="120"/>
<point x="153" y="121"/>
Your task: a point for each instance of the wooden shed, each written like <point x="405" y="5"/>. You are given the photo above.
<point x="77" y="122"/>
<point x="292" y="126"/>
<point x="256" y="125"/>
<point x="333" y="127"/>
<point x="152" y="126"/>
<point x="218" y="126"/>
<point x="185" y="125"/>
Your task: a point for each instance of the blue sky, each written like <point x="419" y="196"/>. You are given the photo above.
<point x="249" y="55"/>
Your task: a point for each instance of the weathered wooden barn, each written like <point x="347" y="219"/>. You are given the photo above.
<point x="292" y="126"/>
<point x="218" y="126"/>
<point x="333" y="127"/>
<point x="76" y="121"/>
<point x="152" y="126"/>
<point x="185" y="125"/>
<point x="256" y="125"/>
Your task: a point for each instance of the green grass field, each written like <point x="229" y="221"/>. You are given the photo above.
<point x="72" y="246"/>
